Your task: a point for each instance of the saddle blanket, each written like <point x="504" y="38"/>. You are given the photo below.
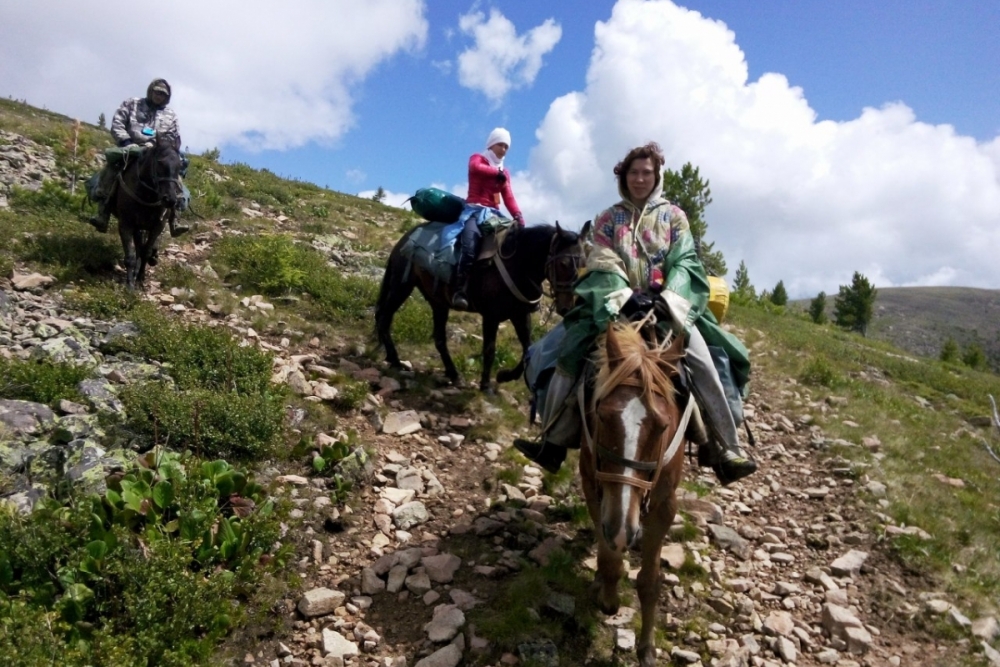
<point x="425" y="248"/>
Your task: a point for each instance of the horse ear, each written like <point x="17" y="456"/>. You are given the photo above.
<point x="612" y="347"/>
<point x="585" y="231"/>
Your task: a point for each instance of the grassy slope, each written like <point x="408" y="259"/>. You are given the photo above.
<point x="882" y="386"/>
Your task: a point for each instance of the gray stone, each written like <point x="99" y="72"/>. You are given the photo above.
<point x="320" y="602"/>
<point x="397" y="575"/>
<point x="441" y="568"/>
<point x="986" y="628"/>
<point x="418" y="583"/>
<point x="337" y="646"/>
<point x="101" y="395"/>
<point x="849" y="564"/>
<point x="409" y="515"/>
<point x="730" y="540"/>
<point x="449" y="656"/>
<point x="25" y="418"/>
<point x="625" y="639"/>
<point x="370" y="582"/>
<point x="401" y="423"/>
<point x="447" y="621"/>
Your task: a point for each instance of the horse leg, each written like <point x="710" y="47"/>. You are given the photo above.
<point x="655" y="527"/>
<point x="441" y="342"/>
<point x="396" y="295"/>
<point x="522" y="327"/>
<point x="490" y="327"/>
<point x="609" y="561"/>
<point x="128" y="246"/>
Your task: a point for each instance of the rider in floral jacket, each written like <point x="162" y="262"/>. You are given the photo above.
<point x="644" y="251"/>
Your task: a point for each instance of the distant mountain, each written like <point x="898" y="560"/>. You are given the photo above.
<point x="920" y="319"/>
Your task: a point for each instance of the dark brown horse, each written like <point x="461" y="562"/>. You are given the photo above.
<point x="528" y="256"/>
<point x="631" y="462"/>
<point x="147" y="191"/>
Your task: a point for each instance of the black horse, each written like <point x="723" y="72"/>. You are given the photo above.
<point x="147" y="191"/>
<point x="506" y="286"/>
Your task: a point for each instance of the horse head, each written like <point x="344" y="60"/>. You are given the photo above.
<point x="163" y="169"/>
<point x="634" y="416"/>
<point x="566" y="257"/>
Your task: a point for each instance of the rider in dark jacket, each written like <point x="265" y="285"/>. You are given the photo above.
<point x="136" y="123"/>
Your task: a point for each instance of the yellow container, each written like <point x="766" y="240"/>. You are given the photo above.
<point x="718" y="297"/>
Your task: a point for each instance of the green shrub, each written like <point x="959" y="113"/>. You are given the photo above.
<point x="200" y="357"/>
<point x="155" y="572"/>
<point x="50" y="197"/>
<point x="245" y="427"/>
<point x="271" y="264"/>
<point x="40" y="381"/>
<point x="105" y="301"/>
<point x="414" y="322"/>
<point x="819" y="372"/>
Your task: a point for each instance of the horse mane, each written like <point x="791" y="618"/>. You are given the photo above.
<point x="651" y="363"/>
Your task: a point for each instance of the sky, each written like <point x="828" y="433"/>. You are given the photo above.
<point x="836" y="136"/>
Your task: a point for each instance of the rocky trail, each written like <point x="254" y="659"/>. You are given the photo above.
<point x="795" y="563"/>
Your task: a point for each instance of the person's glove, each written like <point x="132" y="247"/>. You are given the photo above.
<point x="519" y="220"/>
<point x="501" y="176"/>
<point x="637" y="306"/>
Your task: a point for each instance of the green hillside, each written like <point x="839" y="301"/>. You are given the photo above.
<point x="235" y="488"/>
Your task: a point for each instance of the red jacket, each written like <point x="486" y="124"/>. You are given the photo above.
<point x="486" y="190"/>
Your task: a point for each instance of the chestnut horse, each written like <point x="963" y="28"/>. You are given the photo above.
<point x="631" y="462"/>
<point x="507" y="286"/>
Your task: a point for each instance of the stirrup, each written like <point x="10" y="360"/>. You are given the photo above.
<point x="732" y="470"/>
<point x="458" y="300"/>
<point x="548" y="456"/>
<point x="177" y="230"/>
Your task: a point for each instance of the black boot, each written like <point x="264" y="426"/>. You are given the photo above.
<point x="548" y="456"/>
<point x="727" y="466"/>
<point x="458" y="299"/>
<point x="102" y="219"/>
<point x="154" y="257"/>
<point x="177" y="230"/>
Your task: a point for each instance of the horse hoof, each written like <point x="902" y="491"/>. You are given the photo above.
<point x="488" y="389"/>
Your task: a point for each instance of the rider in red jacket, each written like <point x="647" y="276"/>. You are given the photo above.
<point x="488" y="183"/>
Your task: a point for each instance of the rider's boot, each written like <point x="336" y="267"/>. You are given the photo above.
<point x="178" y="229"/>
<point x="102" y="219"/>
<point x="560" y="425"/>
<point x="458" y="299"/>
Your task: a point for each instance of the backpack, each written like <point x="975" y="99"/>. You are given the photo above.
<point x="437" y="205"/>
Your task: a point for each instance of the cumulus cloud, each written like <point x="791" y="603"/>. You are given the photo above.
<point x="500" y="60"/>
<point x="800" y="200"/>
<point x="259" y="74"/>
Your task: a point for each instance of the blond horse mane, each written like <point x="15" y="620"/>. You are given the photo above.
<point x="651" y="364"/>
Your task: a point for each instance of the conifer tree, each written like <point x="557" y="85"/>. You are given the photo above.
<point x="686" y="189"/>
<point x="817" y="308"/>
<point x="779" y="296"/>
<point x="743" y="291"/>
<point x="949" y="351"/>
<point x="974" y="357"/>
<point x="379" y="195"/>
<point x="102" y="122"/>
<point x="855" y="304"/>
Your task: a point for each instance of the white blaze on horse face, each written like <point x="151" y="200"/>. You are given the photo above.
<point x="632" y="417"/>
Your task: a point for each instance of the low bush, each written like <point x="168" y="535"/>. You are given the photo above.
<point x="245" y="427"/>
<point x="154" y="572"/>
<point x="41" y="381"/>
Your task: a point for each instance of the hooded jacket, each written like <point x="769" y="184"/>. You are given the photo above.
<point x="486" y="190"/>
<point x="651" y="249"/>
<point x="137" y="113"/>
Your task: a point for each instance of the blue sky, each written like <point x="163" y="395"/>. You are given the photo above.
<point x="837" y="136"/>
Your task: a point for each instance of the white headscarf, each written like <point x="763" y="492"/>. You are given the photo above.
<point x="498" y="136"/>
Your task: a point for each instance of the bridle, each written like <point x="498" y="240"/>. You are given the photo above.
<point x="665" y="451"/>
<point x="551" y="270"/>
<point x="149" y="154"/>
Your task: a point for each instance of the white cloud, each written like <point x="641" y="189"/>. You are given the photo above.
<point x="500" y="60"/>
<point x="356" y="176"/>
<point x="260" y="74"/>
<point x="807" y="202"/>
<point x="396" y="199"/>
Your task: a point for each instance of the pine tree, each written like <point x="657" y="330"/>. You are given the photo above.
<point x="379" y="195"/>
<point x="855" y="305"/>
<point x="817" y="308"/>
<point x="779" y="296"/>
<point x="743" y="291"/>
<point x="686" y="189"/>
<point x="102" y="122"/>
<point x="949" y="351"/>
<point x="974" y="357"/>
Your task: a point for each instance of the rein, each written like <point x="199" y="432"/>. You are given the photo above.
<point x="152" y="188"/>
<point x="550" y="273"/>
<point x="664" y="452"/>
